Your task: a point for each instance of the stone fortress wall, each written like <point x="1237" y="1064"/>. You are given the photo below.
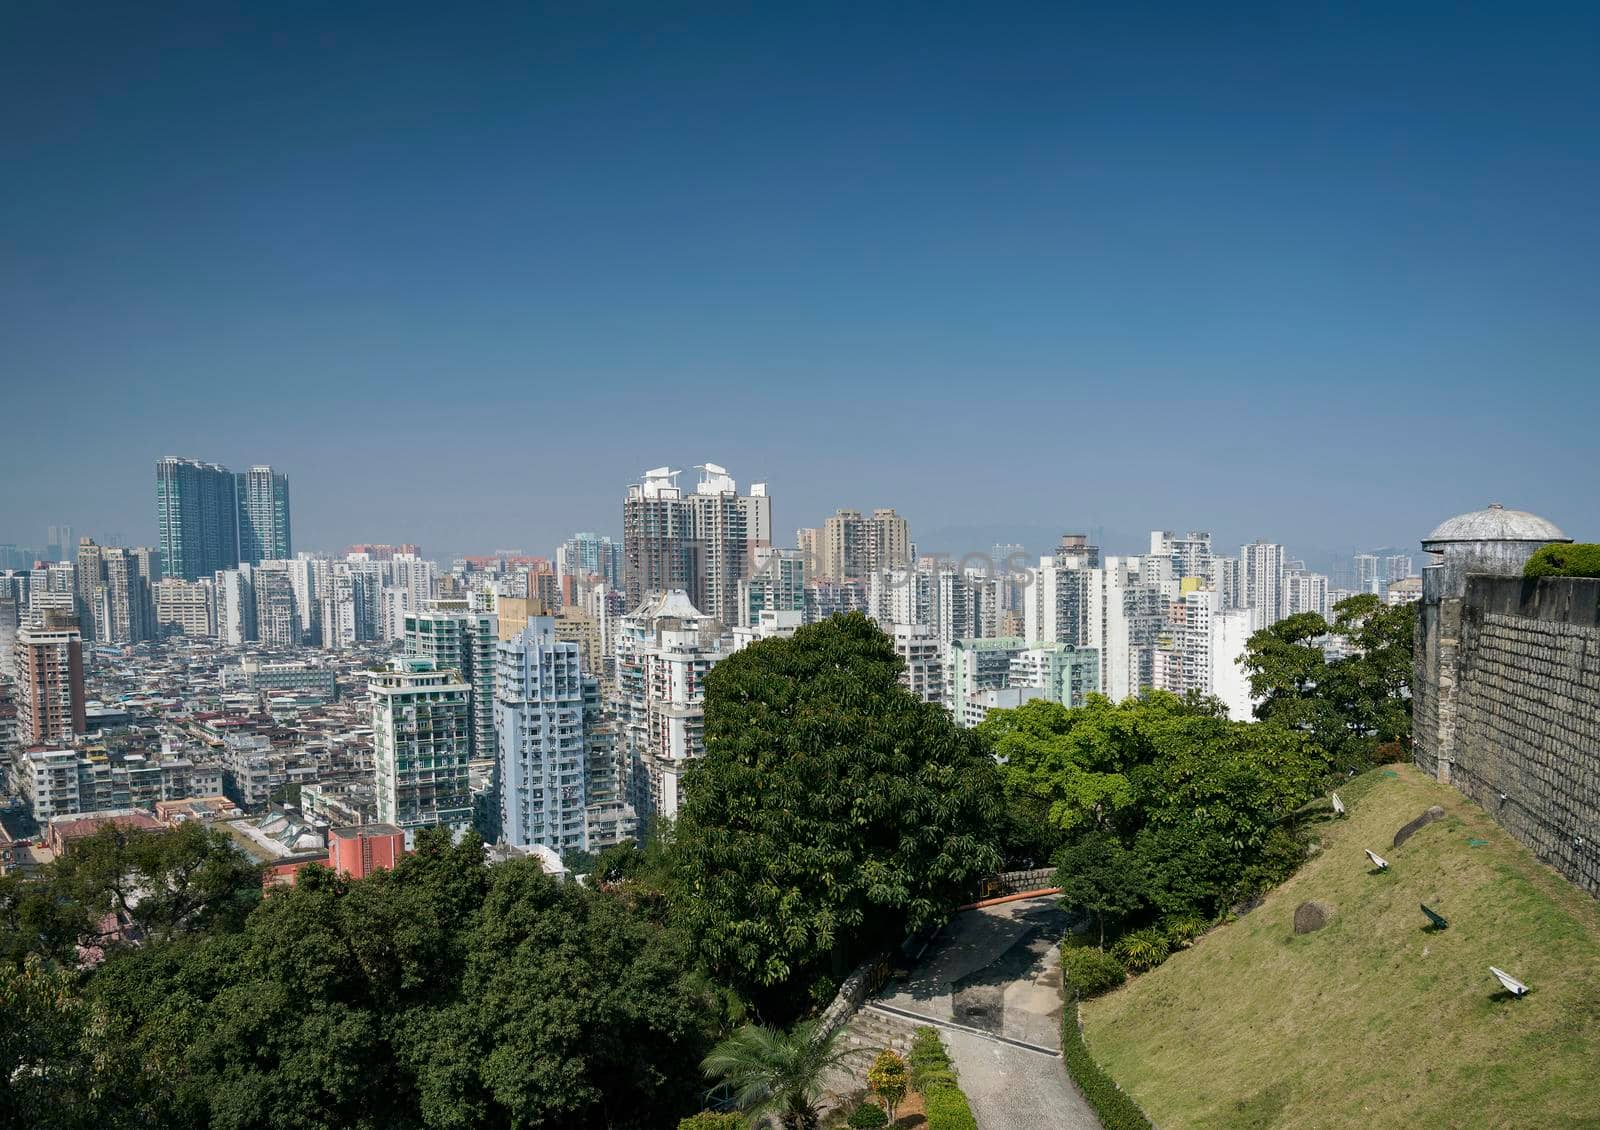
<point x="1507" y="706"/>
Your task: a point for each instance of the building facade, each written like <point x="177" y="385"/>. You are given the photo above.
<point x="422" y="746"/>
<point x="263" y="496"/>
<point x="197" y="518"/>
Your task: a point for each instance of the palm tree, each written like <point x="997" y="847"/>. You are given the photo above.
<point x="777" y="1073"/>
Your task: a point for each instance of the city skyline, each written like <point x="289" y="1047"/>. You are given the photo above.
<point x="957" y="539"/>
<point x="1281" y="273"/>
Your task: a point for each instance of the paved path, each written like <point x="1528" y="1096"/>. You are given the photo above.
<point x="991" y="983"/>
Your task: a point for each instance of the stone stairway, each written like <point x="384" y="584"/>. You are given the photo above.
<point x="867" y="1034"/>
<point x="874" y="1031"/>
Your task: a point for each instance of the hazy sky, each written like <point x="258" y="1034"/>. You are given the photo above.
<point x="1326" y="274"/>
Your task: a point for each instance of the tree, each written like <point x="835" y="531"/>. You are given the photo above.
<point x="775" y="1073"/>
<point x="122" y="885"/>
<point x="44" y="1076"/>
<point x="1166" y="804"/>
<point x="1350" y="705"/>
<point x="832" y="813"/>
<point x="1099" y="875"/>
<point x="444" y="993"/>
<point x="889" y="1079"/>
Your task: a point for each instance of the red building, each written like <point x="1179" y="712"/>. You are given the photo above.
<point x="358" y="852"/>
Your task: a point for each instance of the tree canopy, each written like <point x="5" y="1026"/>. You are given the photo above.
<point x="1167" y="807"/>
<point x="832" y="813"/>
<point x="444" y="993"/>
<point x="1352" y="704"/>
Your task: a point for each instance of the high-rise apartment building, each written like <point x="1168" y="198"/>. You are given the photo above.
<point x="853" y="546"/>
<point x="917" y="645"/>
<point x="235" y="593"/>
<point x="422" y="746"/>
<point x="263" y="496"/>
<point x="1305" y="592"/>
<point x="185" y="608"/>
<point x="277" y="617"/>
<point x="665" y="648"/>
<point x="777" y="584"/>
<point x="703" y="543"/>
<point x="1128" y="613"/>
<point x="1057" y="606"/>
<point x="454" y="637"/>
<point x="542" y="739"/>
<point x="1201" y="648"/>
<point x="728" y="530"/>
<point x="1398" y="567"/>
<point x="1261" y="566"/>
<point x="197" y="518"/>
<point x="1190" y="553"/>
<point x="1369" y="577"/>
<point x="587" y="555"/>
<point x="49" y="666"/>
<point x="656" y="532"/>
<point x="59" y="544"/>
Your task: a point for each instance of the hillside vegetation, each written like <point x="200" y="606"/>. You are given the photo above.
<point x="1375" y="1020"/>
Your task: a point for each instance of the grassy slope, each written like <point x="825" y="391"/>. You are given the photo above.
<point x="1371" y="1021"/>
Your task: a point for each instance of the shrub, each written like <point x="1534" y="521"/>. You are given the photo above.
<point x="1182" y="931"/>
<point x="1091" y="972"/>
<point x="868" y="1116"/>
<point x="1579" y="560"/>
<point x="1116" y="1110"/>
<point x="947" y="1109"/>
<point x="889" y="1079"/>
<point x="713" y="1120"/>
<point x="1142" y="949"/>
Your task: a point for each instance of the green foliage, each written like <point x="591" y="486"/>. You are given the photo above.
<point x="1349" y="706"/>
<point x="889" y="1079"/>
<point x="946" y="1108"/>
<point x="45" y="1078"/>
<point x="1182" y="931"/>
<point x="1169" y="808"/>
<point x="775" y="1073"/>
<point x="714" y="1120"/>
<point x="122" y="884"/>
<point x="1581" y="559"/>
<point x="832" y="813"/>
<point x="933" y="1078"/>
<point x="867" y="1116"/>
<point x="442" y="994"/>
<point x="1113" y="1106"/>
<point x="1100" y="876"/>
<point x="1091" y="972"/>
<point x="1142" y="950"/>
<point x="927" y="1054"/>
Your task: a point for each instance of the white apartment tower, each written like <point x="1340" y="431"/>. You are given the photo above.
<point x="542" y="743"/>
<point x="1261" y="582"/>
<point x="665" y="649"/>
<point x="454" y="637"/>
<point x="421" y="745"/>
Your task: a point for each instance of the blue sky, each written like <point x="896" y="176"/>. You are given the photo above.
<point x="1324" y="274"/>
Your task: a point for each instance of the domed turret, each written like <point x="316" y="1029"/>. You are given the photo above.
<point x="1491" y="540"/>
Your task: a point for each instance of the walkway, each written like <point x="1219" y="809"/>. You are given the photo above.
<point x="992" y="984"/>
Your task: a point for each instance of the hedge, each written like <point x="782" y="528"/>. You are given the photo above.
<point x="713" y="1120"/>
<point x="946" y="1108"/>
<point x="1116" y="1110"/>
<point x="934" y="1076"/>
<point x="1581" y="559"/>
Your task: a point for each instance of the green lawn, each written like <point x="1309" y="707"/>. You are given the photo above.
<point x="1374" y="1021"/>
